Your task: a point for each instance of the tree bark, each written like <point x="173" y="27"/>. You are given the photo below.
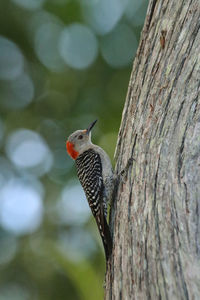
<point x="155" y="216"/>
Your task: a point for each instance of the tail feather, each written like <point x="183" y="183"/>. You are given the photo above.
<point x="106" y="238"/>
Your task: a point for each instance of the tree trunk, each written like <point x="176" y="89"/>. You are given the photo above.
<point x="156" y="210"/>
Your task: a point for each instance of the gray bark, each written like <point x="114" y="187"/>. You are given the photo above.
<point x="155" y="216"/>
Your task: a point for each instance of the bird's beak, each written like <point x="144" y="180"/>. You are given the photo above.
<point x="90" y="127"/>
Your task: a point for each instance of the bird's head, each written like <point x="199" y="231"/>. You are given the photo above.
<point x="79" y="141"/>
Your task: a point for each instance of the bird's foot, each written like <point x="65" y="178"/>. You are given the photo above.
<point x="122" y="176"/>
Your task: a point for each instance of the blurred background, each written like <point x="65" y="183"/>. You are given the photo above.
<point x="63" y="64"/>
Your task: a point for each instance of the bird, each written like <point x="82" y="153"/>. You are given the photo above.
<point x="94" y="170"/>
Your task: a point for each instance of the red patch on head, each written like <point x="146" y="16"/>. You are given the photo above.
<point x="70" y="149"/>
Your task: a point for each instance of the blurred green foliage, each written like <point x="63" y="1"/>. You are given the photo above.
<point x="63" y="63"/>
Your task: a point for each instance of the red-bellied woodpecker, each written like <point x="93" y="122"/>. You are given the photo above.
<point x="95" y="173"/>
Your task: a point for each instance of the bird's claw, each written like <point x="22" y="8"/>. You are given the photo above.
<point x="124" y="172"/>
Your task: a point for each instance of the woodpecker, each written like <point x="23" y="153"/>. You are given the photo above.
<point x="95" y="174"/>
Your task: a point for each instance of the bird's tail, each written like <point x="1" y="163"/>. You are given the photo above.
<point x="106" y="237"/>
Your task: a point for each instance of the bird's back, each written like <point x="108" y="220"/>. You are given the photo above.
<point x="89" y="170"/>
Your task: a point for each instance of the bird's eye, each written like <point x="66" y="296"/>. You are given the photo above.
<point x="80" y="137"/>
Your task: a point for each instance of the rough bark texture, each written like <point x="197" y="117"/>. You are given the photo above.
<point x="156" y="211"/>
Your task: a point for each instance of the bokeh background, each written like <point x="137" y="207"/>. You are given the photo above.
<point x="63" y="64"/>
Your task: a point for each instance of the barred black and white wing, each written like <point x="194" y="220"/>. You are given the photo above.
<point x="89" y="170"/>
